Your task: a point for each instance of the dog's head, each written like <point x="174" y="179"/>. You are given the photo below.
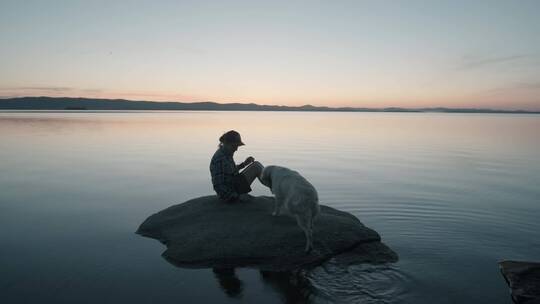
<point x="266" y="176"/>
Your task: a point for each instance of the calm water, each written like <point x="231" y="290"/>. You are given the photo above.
<point x="452" y="194"/>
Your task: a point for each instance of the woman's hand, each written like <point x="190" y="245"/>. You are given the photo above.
<point x="249" y="160"/>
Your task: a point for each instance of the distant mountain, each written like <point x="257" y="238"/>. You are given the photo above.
<point x="69" y="103"/>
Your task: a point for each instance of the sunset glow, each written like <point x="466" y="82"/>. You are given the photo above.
<point x="352" y="53"/>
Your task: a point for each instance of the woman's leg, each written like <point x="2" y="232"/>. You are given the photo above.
<point x="252" y="171"/>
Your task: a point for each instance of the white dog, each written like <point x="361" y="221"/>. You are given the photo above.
<point x="295" y="193"/>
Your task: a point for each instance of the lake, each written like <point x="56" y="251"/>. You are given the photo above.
<point x="451" y="193"/>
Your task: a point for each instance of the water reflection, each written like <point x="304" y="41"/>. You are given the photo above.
<point x="291" y="286"/>
<point x="453" y="193"/>
<point x="229" y="281"/>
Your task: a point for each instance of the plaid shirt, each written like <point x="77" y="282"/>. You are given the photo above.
<point x="223" y="169"/>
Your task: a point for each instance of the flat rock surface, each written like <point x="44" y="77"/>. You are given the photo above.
<point x="204" y="232"/>
<point x="524" y="280"/>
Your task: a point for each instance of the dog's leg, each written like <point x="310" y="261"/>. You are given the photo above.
<point x="310" y="230"/>
<point x="309" y="237"/>
<point x="303" y="222"/>
<point x="277" y="206"/>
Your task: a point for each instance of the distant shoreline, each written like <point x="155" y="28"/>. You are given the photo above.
<point x="70" y="104"/>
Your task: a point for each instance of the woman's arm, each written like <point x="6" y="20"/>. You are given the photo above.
<point x="243" y="164"/>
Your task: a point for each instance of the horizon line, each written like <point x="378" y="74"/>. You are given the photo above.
<point x="323" y="108"/>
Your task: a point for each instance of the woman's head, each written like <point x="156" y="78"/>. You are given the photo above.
<point x="231" y="140"/>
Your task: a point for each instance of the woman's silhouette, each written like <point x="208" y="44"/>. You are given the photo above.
<point x="228" y="182"/>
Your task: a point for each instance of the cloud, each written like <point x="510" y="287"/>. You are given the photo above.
<point x="528" y="85"/>
<point x="57" y="91"/>
<point x="516" y="86"/>
<point x="472" y="63"/>
<point x="48" y="89"/>
<point x="51" y="89"/>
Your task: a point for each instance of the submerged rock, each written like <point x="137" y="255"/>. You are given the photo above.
<point x="524" y="280"/>
<point x="205" y="232"/>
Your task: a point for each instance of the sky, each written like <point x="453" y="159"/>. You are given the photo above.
<point x="473" y="54"/>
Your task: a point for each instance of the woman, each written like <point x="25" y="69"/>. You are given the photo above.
<point x="227" y="181"/>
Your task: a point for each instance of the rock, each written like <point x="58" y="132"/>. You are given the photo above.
<point x="204" y="232"/>
<point x="523" y="279"/>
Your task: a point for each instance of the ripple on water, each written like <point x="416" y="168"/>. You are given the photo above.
<point x="333" y="283"/>
<point x="434" y="224"/>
